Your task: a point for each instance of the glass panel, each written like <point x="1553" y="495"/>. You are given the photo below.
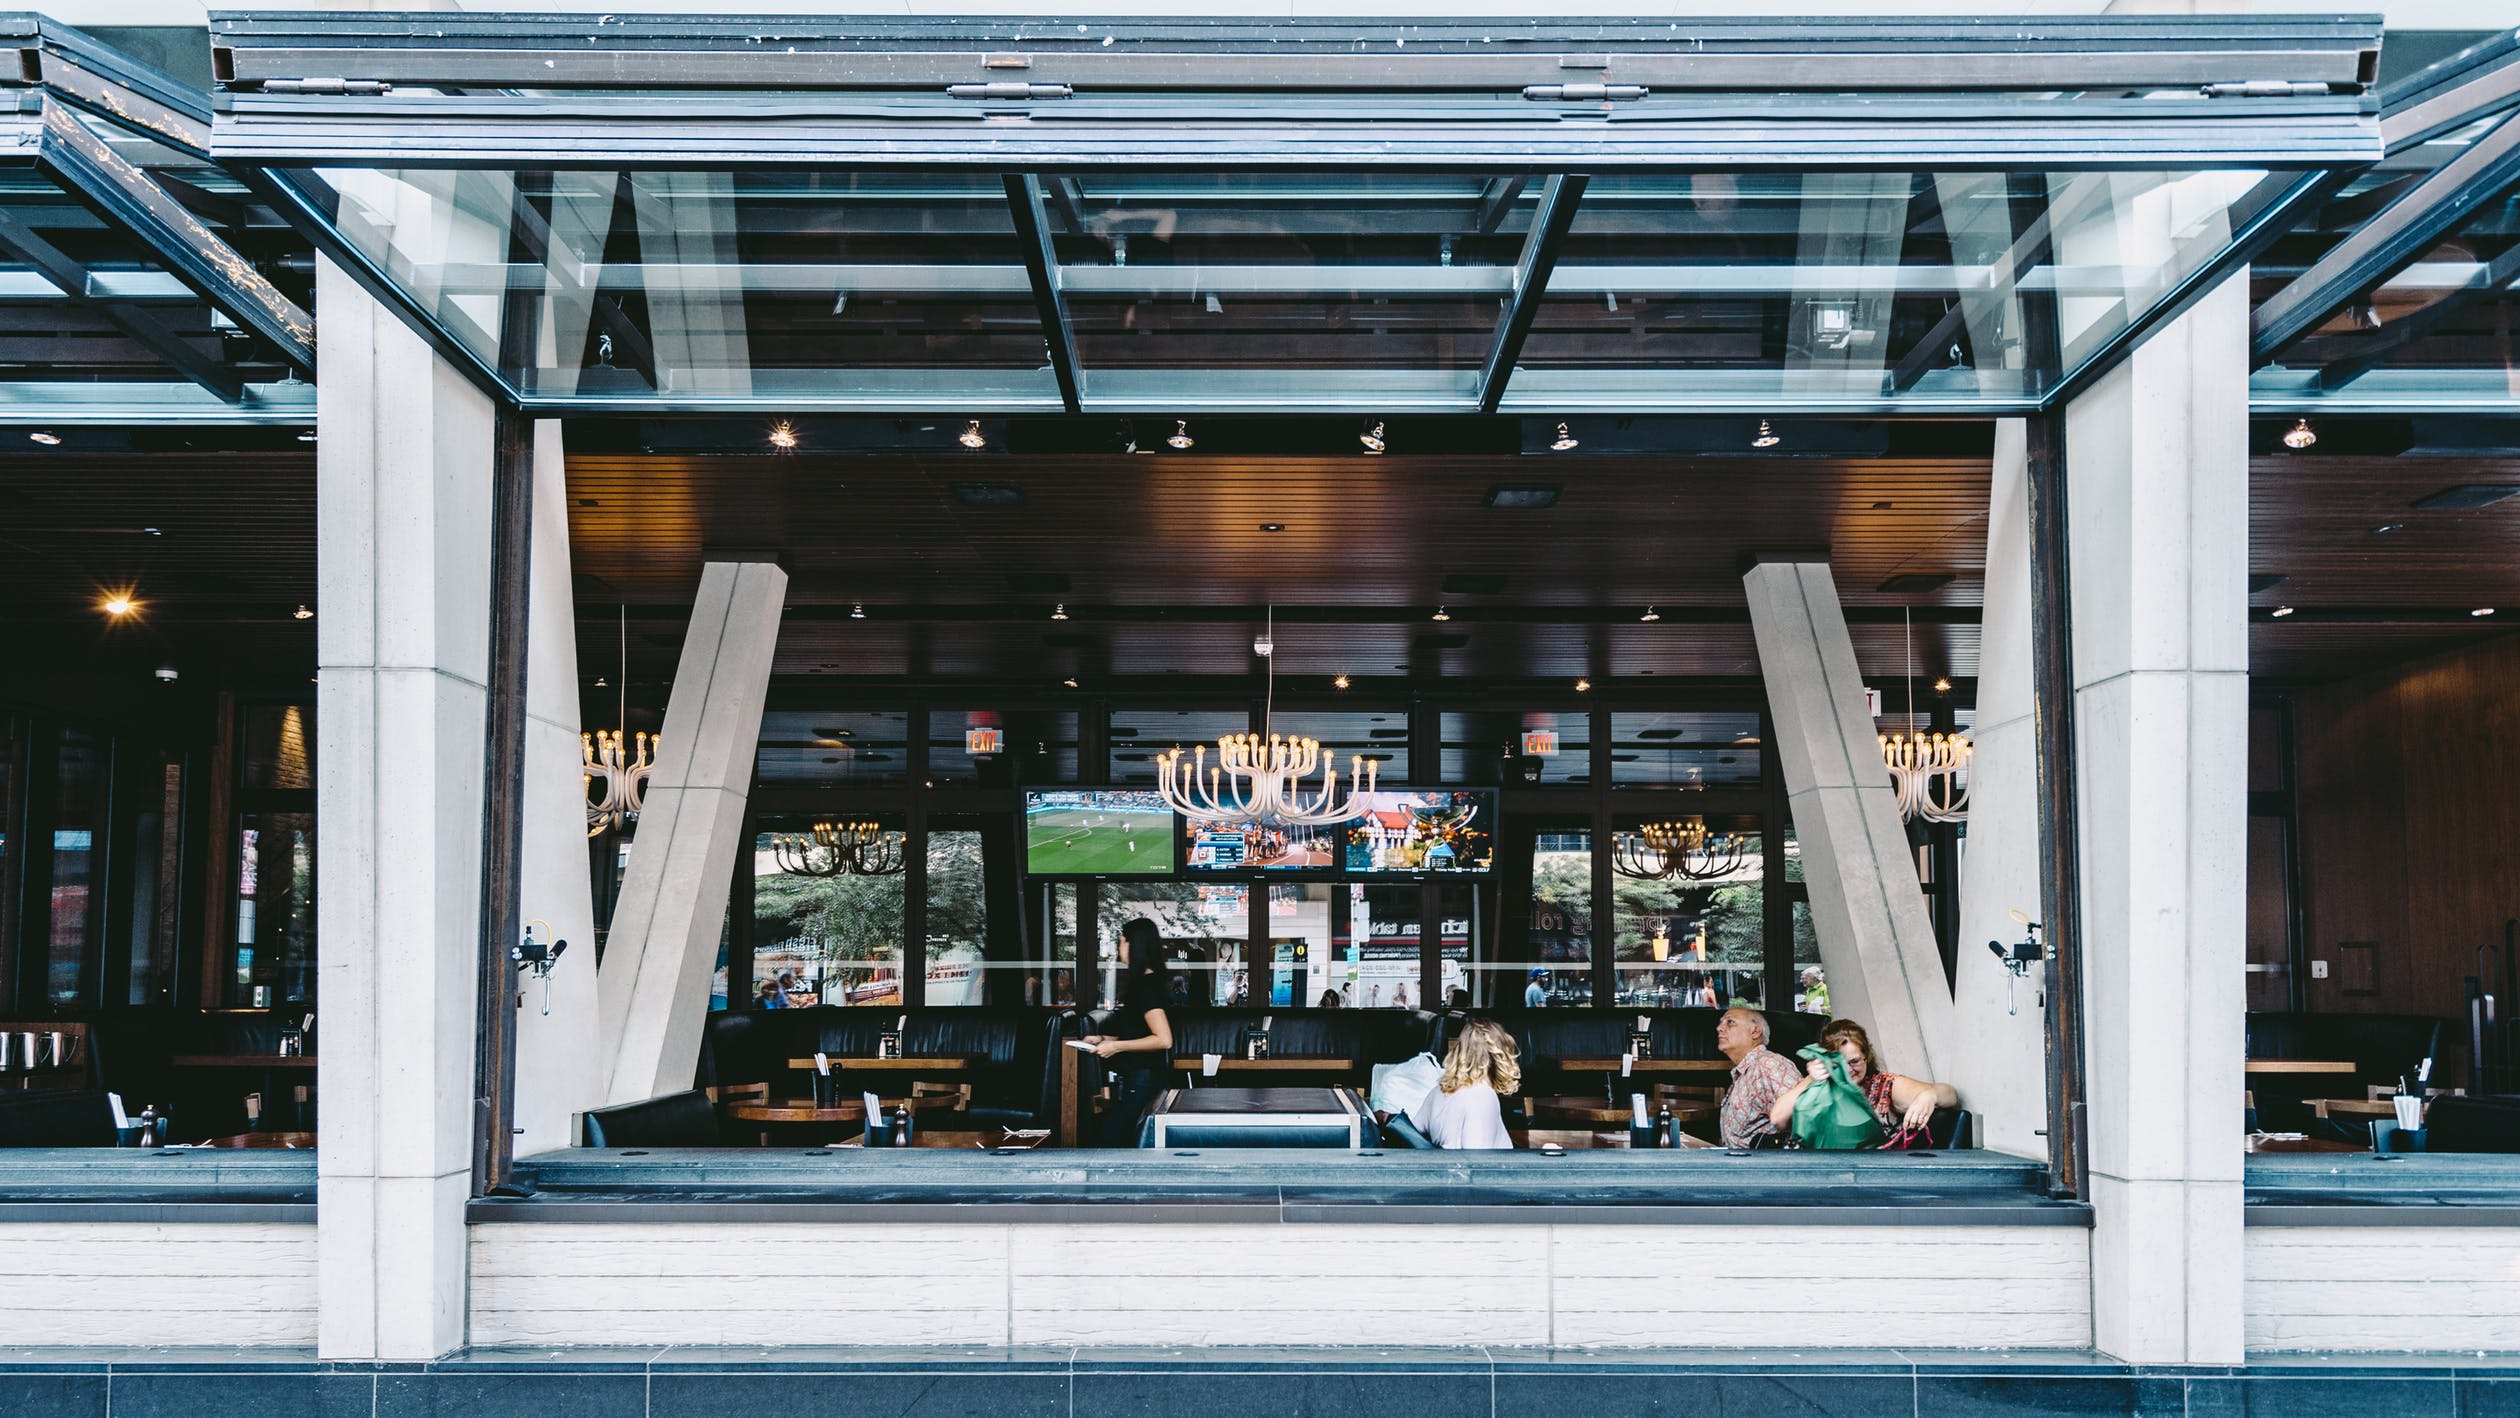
<point x="1693" y="750"/>
<point x="1465" y="950"/>
<point x="1818" y="287"/>
<point x="1206" y="929"/>
<point x="1558" y="972"/>
<point x="1383" y="946"/>
<point x="1511" y="748"/>
<point x="1051" y="980"/>
<point x="81" y="773"/>
<point x="1793" y="855"/>
<point x="731" y="286"/>
<point x="1811" y="982"/>
<point x="834" y="749"/>
<point x="957" y="917"/>
<point x="1138" y="735"/>
<point x="278" y="748"/>
<point x="1309" y="965"/>
<point x="1682" y="942"/>
<point x="273" y="956"/>
<point x="2269" y="917"/>
<point x="1293" y="282"/>
<point x="823" y="939"/>
<point x="1382" y="740"/>
<point x="155" y="834"/>
<point x="1005" y="750"/>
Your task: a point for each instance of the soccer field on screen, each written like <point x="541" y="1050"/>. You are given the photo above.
<point x="1097" y="841"/>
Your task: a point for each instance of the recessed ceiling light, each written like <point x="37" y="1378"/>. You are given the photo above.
<point x="1650" y="616"/>
<point x="118" y="605"/>
<point x="1767" y="436"/>
<point x="1522" y="497"/>
<point x="1273" y="526"/>
<point x="1181" y="435"/>
<point x="971" y="436"/>
<point x="2301" y="435"/>
<point x="1442" y="614"/>
<point x="1059" y="611"/>
<point x="302" y="612"/>
<point x="1372" y="438"/>
<point x="166" y="674"/>
<point x="306" y="435"/>
<point x="857" y="611"/>
<point x="1565" y="442"/>
<point x="2282" y="611"/>
<point x="2482" y="611"/>
<point x="46" y="437"/>
<point x="2388" y="527"/>
<point x="1942" y="686"/>
<point x="1069" y="682"/>
<point x="1339" y="682"/>
<point x="1582" y="684"/>
<point x="151" y="532"/>
<point x="783" y="435"/>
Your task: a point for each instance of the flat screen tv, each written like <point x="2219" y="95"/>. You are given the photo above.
<point x="1396" y="831"/>
<point x="1098" y="832"/>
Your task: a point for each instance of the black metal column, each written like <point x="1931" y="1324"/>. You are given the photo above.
<point x="503" y="800"/>
<point x="2060" y="862"/>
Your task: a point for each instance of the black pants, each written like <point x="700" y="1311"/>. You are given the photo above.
<point x="1132" y="1089"/>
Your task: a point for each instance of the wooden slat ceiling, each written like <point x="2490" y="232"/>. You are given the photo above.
<point x="1164" y="559"/>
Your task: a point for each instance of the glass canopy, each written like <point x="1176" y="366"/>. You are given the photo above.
<point x="795" y="291"/>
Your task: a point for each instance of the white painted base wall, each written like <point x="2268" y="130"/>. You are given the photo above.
<point x="137" y="1284"/>
<point x="818" y="1283"/>
<point x="2394" y="1289"/>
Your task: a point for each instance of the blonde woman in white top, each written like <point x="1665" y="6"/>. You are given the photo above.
<point x="1465" y="1108"/>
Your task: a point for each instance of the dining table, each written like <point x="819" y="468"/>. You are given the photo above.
<point x="789" y="1111"/>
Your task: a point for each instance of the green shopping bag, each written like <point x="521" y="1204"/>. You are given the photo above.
<point x="1832" y="1114"/>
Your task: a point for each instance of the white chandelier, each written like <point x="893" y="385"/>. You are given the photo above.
<point x="615" y="782"/>
<point x="1927" y="771"/>
<point x="1259" y="778"/>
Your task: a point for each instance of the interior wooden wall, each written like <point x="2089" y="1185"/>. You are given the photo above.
<point x="2410" y="825"/>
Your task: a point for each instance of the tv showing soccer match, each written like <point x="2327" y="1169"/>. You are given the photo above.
<point x="1447" y="831"/>
<point x="1097" y="832"/>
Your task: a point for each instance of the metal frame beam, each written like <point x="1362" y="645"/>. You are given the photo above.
<point x="2060" y="848"/>
<point x="1041" y="262"/>
<point x="125" y="197"/>
<point x="2477" y="82"/>
<point x="56" y="266"/>
<point x="2389" y="242"/>
<point x="1559" y="197"/>
<point x="2496" y="277"/>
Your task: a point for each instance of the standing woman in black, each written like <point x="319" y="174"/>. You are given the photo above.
<point x="1139" y="1044"/>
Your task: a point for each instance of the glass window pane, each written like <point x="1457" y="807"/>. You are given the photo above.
<point x="82" y="764"/>
<point x="1784" y="287"/>
<point x="1138" y="735"/>
<point x="278" y="748"/>
<point x="1685" y="750"/>
<point x="1308" y="966"/>
<point x="846" y="287"/>
<point x="1466" y="971"/>
<point x="1252" y="287"/>
<point x="1018" y="748"/>
<point x="1690" y="942"/>
<point x="1558" y="972"/>
<point x="1206" y="928"/>
<point x="1512" y="748"/>
<point x="957" y="917"/>
<point x="834" y="749"/>
<point x="1811" y="982"/>
<point x="822" y="939"/>
<point x="155" y="837"/>
<point x="1382" y="948"/>
<point x="273" y="955"/>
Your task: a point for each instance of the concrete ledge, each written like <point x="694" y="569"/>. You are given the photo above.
<point x="696" y="1211"/>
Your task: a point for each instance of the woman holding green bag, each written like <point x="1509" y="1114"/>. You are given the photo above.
<point x="1823" y="1109"/>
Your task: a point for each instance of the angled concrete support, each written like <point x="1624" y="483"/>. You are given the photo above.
<point x="654" y="985"/>
<point x="1876" y="941"/>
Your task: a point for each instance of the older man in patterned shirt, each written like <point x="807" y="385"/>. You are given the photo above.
<point x="1760" y="1075"/>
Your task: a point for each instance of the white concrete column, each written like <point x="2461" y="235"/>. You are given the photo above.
<point x="1997" y="1051"/>
<point x="2156" y="469"/>
<point x="662" y="951"/>
<point x="403" y="480"/>
<point x="559" y="1069"/>
<point x="1876" y="942"/>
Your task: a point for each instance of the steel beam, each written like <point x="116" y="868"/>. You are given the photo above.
<point x="1041" y="263"/>
<point x="49" y="261"/>
<point x="2477" y="82"/>
<point x="2494" y="278"/>
<point x="93" y="172"/>
<point x="2390" y="241"/>
<point x="1559" y="196"/>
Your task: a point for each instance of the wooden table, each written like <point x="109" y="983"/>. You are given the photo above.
<point x="948" y="1063"/>
<point x="265" y="1139"/>
<point x="2364" y="1108"/>
<point x="1596" y="1110"/>
<point x="2300" y="1066"/>
<point x="1611" y="1065"/>
<point x="845" y="1110"/>
<point x="2302" y="1144"/>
